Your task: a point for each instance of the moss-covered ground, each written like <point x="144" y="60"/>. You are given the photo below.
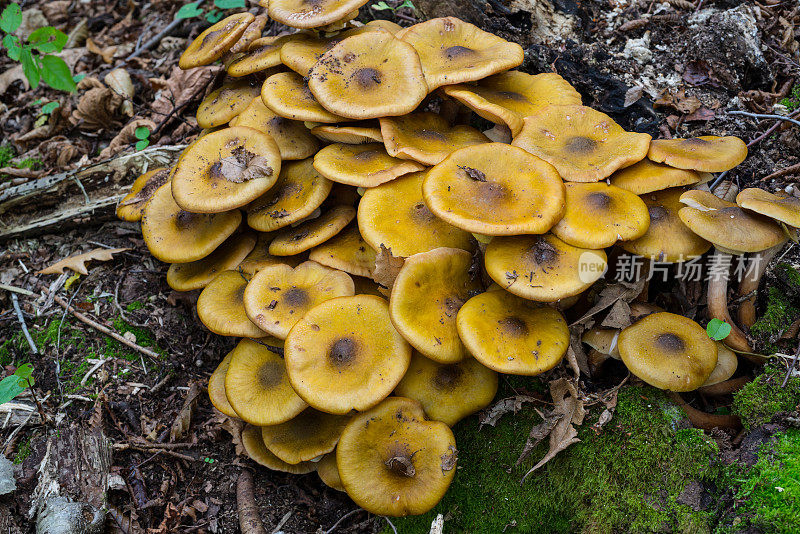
<point x="761" y="399"/>
<point x="782" y="308"/>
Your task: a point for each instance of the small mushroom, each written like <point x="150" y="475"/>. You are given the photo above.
<point x="225" y="103"/>
<point x="727" y="362"/>
<point x="304" y="437"/>
<point x="254" y="447"/>
<point x="366" y="165"/>
<point x="197" y="274"/>
<point x="215" y="41"/>
<point x="251" y="33"/>
<point x="328" y="471"/>
<point x="220" y="306"/>
<point x="347" y="251"/>
<point x="292" y="137"/>
<point x="351" y="134"/>
<point x="262" y="54"/>
<point x="426" y="137"/>
<point x="706" y="153"/>
<point x="646" y="177"/>
<point x="216" y="388"/>
<point x="260" y="257"/>
<point x="312" y="232"/>
<point x="288" y="95"/>
<point x="131" y="207"/>
<point x="781" y="206"/>
<point x="305" y="14"/>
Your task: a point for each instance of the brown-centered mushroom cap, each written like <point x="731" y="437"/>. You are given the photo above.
<point x="197" y="274"/>
<point x="215" y="41"/>
<point x="395" y="215"/>
<point x="225" y="170"/>
<point x="313" y="232"/>
<point x="646" y="177"/>
<point x="513" y="336"/>
<point x="220" y="306"/>
<point x="393" y="462"/>
<point x="369" y="75"/>
<point x="426" y="137"/>
<point x="598" y="215"/>
<point x="453" y="51"/>
<point x="225" y="103"/>
<point x="344" y="354"/>
<point x="279" y="296"/>
<point x="428" y="292"/>
<point x="706" y="153"/>
<point x="216" y="388"/>
<point x="131" y="207"/>
<point x="364" y="165"/>
<point x="781" y="206"/>
<point x="288" y="95"/>
<point x="351" y="134"/>
<point x="542" y="267"/>
<point x="668" y="351"/>
<point x="495" y="189"/>
<point x="346" y="251"/>
<point x="174" y="235"/>
<point x="305" y="437"/>
<point x="311" y="14"/>
<point x="585" y="145"/>
<point x="254" y="446"/>
<point x="448" y="392"/>
<point x="292" y="137"/>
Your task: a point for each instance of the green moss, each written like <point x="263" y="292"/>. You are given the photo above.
<point x="778" y="316"/>
<point x="23" y="451"/>
<point x="29" y="163"/>
<point x="135" y="305"/>
<point x="762" y="398"/>
<point x="6" y="155"/>
<point x="792" y="102"/>
<point x="627" y="478"/>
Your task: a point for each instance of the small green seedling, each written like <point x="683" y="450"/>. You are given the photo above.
<point x="142" y="133"/>
<point x="209" y="460"/>
<point x="383" y="6"/>
<point x="12" y="386"/>
<point x="214" y="15"/>
<point x="44" y="112"/>
<point x="718" y="330"/>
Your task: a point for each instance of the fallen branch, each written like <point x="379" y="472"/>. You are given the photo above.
<point x="23" y="325"/>
<point x="249" y="520"/>
<point x="765" y="116"/>
<point x="783" y="172"/>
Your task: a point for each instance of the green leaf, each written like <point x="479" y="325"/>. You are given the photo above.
<point x="78" y="77"/>
<point x="11" y="18"/>
<point x="13" y="385"/>
<point x="229" y="4"/>
<point x="40" y="120"/>
<point x="188" y="11"/>
<point x="718" y="330"/>
<point x="142" y="132"/>
<point x="48" y="39"/>
<point x="407" y="3"/>
<point x="11" y="42"/>
<point x="50" y="107"/>
<point x="141" y="145"/>
<point x="381" y="6"/>
<point x="214" y="16"/>
<point x="56" y="74"/>
<point x="25" y="372"/>
<point x="29" y="67"/>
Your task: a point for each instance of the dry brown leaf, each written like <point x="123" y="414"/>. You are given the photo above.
<point x="106" y="53"/>
<point x="180" y="427"/>
<point x="12" y="75"/>
<point x="98" y="107"/>
<point x="619" y="316"/>
<point x="608" y="412"/>
<point x="77" y="263"/>
<point x="626" y="291"/>
<point x="491" y="415"/>
<point x="182" y="86"/>
<point x="387" y="266"/>
<point x="125" y="137"/>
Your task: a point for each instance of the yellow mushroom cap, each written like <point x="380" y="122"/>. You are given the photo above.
<point x="542" y="268"/>
<point x="598" y="215"/>
<point x="583" y="144"/>
<point x="262" y="54"/>
<point x="215" y="41"/>
<point x="365" y="165"/>
<point x="292" y="137"/>
<point x="311" y="233"/>
<point x="225" y="103"/>
<point x="603" y="340"/>
<point x="254" y="447"/>
<point x="495" y="189"/>
<point x="344" y="354"/>
<point x="369" y="75"/>
<point x="667" y="239"/>
<point x="251" y="34"/>
<point x="668" y="351"/>
<point x="279" y="296"/>
<point x="131" y="207"/>
<point x="260" y="257"/>
<point x="197" y="274"/>
<point x="727" y="362"/>
<point x="782" y="207"/>
<point x="311" y="14"/>
<point x="305" y="437"/>
<point x="512" y="336"/>
<point x="393" y="462"/>
<point x="453" y="51"/>
<point x="257" y="386"/>
<point x="226" y="169"/>
<point x="646" y="177"/>
<point x="220" y="306"/>
<point x="288" y="95"/>
<point x="448" y="392"/>
<point x="328" y="471"/>
<point x="174" y="235"/>
<point x="346" y="251"/>
<point x="216" y="388"/>
<point x="395" y="215"/>
<point x="507" y="98"/>
<point x="351" y="134"/>
<point x="706" y="153"/>
<point x="426" y="296"/>
<point x="728" y="226"/>
<point x="299" y="191"/>
<point x="302" y="54"/>
<point x="426" y="137"/>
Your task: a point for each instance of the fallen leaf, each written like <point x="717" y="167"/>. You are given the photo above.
<point x="98" y="108"/>
<point x="12" y="75"/>
<point x="633" y="95"/>
<point x="608" y="412"/>
<point x="538" y="433"/>
<point x="387" y="267"/>
<point x="77" y="263"/>
<point x="180" y="88"/>
<point x="619" y="316"/>
<point x="696" y="72"/>
<point x="610" y="294"/>
<point x="183" y="420"/>
<point x="702" y="114"/>
<point x="491" y="415"/>
<point x="125" y="137"/>
<point x="106" y="53"/>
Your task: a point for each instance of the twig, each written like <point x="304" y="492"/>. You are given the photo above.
<point x="154" y="446"/>
<point x="339" y="521"/>
<point x="160" y="35"/>
<point x="391" y="524"/>
<point x="282" y="522"/>
<point x="164" y="451"/>
<point x="15" y="289"/>
<point x="21" y="318"/>
<point x="770" y="130"/>
<point x="765" y="116"/>
<point x="783" y="172"/>
<point x="791" y="367"/>
<point x="249" y="520"/>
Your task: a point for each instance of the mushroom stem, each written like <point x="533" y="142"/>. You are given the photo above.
<point x="750" y="282"/>
<point x="704" y="420"/>
<point x="249" y="520"/>
<point x="725" y="388"/>
<point x="717" y="297"/>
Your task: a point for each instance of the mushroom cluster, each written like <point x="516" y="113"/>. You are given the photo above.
<point x="383" y="260"/>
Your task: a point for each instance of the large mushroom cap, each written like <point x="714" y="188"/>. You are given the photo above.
<point x="598" y="215"/>
<point x="428" y="292"/>
<point x="585" y="145"/>
<point x="426" y="137"/>
<point x="311" y="233"/>
<point x="131" y="207"/>
<point x="225" y="103"/>
<point x="305" y="437"/>
<point x="646" y="176"/>
<point x="369" y="75"/>
<point x="216" y="388"/>
<point x="197" y="274"/>
<point x="299" y="191"/>
<point x="495" y="189"/>
<point x="292" y="137"/>
<point x="220" y="306"/>
<point x="512" y="336"/>
<point x="393" y="462"/>
<point x="729" y="227"/>
<point x="448" y="392"/>
<point x="667" y="239"/>
<point x="542" y="268"/>
<point x="215" y="41"/>
<point x="781" y="207"/>
<point x="707" y="153"/>
<point x="312" y="13"/>
<point x="668" y="351"/>
<point x="453" y="51"/>
<point x="365" y="165"/>
<point x="507" y="98"/>
<point x="279" y="296"/>
<point x="225" y="169"/>
<point x="257" y="451"/>
<point x="174" y="235"/>
<point x="395" y="215"/>
<point x="344" y="354"/>
<point x="288" y="95"/>
<point x="352" y="134"/>
<point x="257" y="386"/>
<point x="346" y="251"/>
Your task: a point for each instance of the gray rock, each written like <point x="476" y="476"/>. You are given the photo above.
<point x="7" y="481"/>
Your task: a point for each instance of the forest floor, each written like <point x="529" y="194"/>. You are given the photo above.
<point x="671" y="69"/>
